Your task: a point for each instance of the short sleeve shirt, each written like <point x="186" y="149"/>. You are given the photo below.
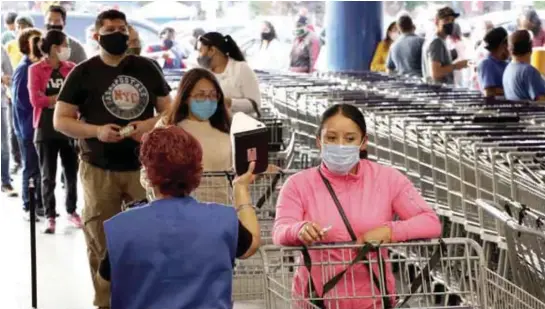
<point x="522" y="82"/>
<point x="405" y="56"/>
<point x="490" y="72"/>
<point x="114" y="95"/>
<point x="435" y="49"/>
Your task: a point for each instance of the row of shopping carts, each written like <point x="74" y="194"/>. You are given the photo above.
<point x="469" y="157"/>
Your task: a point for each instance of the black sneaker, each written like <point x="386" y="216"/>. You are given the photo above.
<point x="15" y="169"/>
<point x="9" y="191"/>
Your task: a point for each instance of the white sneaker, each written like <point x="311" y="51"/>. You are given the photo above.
<point x="26" y="216"/>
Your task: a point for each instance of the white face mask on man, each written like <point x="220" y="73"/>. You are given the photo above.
<point x="64" y="53"/>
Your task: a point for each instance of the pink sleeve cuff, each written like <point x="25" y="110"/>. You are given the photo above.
<point x="399" y="233"/>
<point x="294" y="231"/>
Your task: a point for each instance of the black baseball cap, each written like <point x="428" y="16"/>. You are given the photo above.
<point x="446" y="12"/>
<point x="495" y="38"/>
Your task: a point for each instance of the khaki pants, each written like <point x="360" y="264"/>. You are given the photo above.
<point x="104" y="192"/>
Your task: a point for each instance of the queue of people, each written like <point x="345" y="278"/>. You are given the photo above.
<point x="501" y="69"/>
<point x="156" y="166"/>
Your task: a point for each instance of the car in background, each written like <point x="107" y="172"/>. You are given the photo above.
<point x="78" y="23"/>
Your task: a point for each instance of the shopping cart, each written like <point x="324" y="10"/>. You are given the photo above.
<point x="525" y="249"/>
<point x="460" y="279"/>
<point x="217" y="187"/>
<point x="248" y="277"/>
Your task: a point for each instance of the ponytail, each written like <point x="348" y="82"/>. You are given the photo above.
<point x="233" y="50"/>
<point x="225" y="44"/>
<point x="52" y="37"/>
<point x="364" y="154"/>
<point x="36" y="47"/>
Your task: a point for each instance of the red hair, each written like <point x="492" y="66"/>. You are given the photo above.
<point x="173" y="160"/>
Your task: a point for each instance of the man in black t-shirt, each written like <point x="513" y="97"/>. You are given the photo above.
<point x="100" y="96"/>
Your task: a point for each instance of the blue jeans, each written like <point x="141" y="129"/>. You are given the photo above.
<point x="31" y="170"/>
<point x="4" y="146"/>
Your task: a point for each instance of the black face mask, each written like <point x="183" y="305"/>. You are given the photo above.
<point x="114" y="43"/>
<point x="448" y="29"/>
<point x="54" y="27"/>
<point x="267" y="36"/>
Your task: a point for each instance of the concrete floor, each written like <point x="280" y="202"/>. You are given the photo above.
<point x="63" y="274"/>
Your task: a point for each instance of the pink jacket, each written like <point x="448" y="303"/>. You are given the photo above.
<point x="38" y="77"/>
<point x="370" y="199"/>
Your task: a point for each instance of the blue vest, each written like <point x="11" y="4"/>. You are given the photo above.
<point x="173" y="253"/>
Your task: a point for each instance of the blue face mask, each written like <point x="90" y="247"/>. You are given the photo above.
<point x="340" y="159"/>
<point x="203" y="109"/>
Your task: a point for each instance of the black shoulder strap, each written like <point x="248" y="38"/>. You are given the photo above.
<point x="339" y="206"/>
<point x="385" y="299"/>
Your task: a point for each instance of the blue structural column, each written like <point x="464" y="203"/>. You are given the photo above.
<point x="353" y="30"/>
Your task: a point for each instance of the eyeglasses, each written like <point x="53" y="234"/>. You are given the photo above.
<point x="202" y="95"/>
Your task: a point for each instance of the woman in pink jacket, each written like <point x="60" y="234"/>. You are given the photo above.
<point x="369" y="194"/>
<point x="46" y="78"/>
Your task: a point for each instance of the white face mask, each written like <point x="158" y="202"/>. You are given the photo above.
<point x="64" y="54"/>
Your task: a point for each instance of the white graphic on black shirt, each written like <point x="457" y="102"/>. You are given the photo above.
<point x="55" y="83"/>
<point x="126" y="98"/>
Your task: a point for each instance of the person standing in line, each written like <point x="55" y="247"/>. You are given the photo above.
<point x="481" y="52"/>
<point x="12" y="47"/>
<point x="223" y="57"/>
<point x="270" y="56"/>
<point x="7" y="72"/>
<point x="166" y="51"/>
<point x="305" y="49"/>
<point x="199" y="108"/>
<point x="529" y="20"/>
<point x="521" y="81"/>
<point x="9" y="34"/>
<point x="135" y="44"/>
<point x="378" y="64"/>
<point x="490" y="70"/>
<point x="45" y="81"/>
<point x="378" y="204"/>
<point x="109" y="92"/>
<point x="55" y="18"/>
<point x="460" y="49"/>
<point x="405" y="56"/>
<point x="22" y="111"/>
<point x="437" y="65"/>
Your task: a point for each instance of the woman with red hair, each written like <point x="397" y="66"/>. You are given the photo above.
<point x="177" y="252"/>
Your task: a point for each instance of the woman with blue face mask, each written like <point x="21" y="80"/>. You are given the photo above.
<point x="200" y="109"/>
<point x="368" y="194"/>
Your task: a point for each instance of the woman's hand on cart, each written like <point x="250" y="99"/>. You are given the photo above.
<point x="311" y="233"/>
<point x="381" y="234"/>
